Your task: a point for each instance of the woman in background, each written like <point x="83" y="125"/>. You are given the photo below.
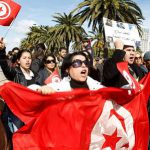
<point x="139" y="61"/>
<point x="20" y="74"/>
<point x="75" y="70"/>
<point x="49" y="66"/>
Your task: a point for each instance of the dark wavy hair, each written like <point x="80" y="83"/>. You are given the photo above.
<point x="19" y="54"/>
<point x="49" y="55"/>
<point x="67" y="62"/>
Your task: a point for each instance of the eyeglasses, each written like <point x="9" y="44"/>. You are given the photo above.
<point x="138" y="57"/>
<point x="50" y="61"/>
<point x="78" y="63"/>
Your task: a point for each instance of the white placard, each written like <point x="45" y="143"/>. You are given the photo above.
<point x="128" y="33"/>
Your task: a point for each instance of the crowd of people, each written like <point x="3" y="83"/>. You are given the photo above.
<point x="78" y="70"/>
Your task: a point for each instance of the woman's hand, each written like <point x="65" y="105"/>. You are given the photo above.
<point x="46" y="90"/>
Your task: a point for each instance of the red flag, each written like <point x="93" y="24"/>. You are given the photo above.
<point x="79" y="120"/>
<point x="8" y="11"/>
<point x="54" y="77"/>
<point x="123" y="68"/>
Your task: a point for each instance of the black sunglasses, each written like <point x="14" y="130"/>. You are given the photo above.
<point x="50" y="61"/>
<point x="138" y="57"/>
<point x="78" y="63"/>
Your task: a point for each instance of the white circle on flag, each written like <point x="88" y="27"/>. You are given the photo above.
<point x="55" y="78"/>
<point x="5" y="10"/>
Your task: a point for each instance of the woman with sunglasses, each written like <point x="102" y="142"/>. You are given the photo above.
<point x="75" y="69"/>
<point x="49" y="66"/>
<point x="139" y="61"/>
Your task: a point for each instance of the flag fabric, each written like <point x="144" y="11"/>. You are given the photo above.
<point x="124" y="70"/>
<point x="54" y="77"/>
<point x="8" y="11"/>
<point x="108" y="118"/>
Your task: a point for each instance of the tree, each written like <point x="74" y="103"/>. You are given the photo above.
<point x="68" y="28"/>
<point x="41" y="34"/>
<point x="37" y="34"/>
<point x="93" y="11"/>
<point x="98" y="42"/>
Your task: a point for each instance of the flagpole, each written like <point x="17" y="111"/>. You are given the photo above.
<point x="8" y="29"/>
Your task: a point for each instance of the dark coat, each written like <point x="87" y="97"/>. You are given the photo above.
<point x="37" y="64"/>
<point x="12" y="73"/>
<point x="5" y="143"/>
<point x="112" y="76"/>
<point x="43" y="74"/>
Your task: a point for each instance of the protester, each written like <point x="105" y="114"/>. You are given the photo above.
<point x="138" y="58"/>
<point x="20" y="74"/>
<point x="61" y="55"/>
<point x="38" y="54"/>
<point x="86" y="46"/>
<point x="147" y="63"/>
<point x="75" y="69"/>
<point x="111" y="75"/>
<point x="139" y="61"/>
<point x="13" y="59"/>
<point x="93" y="72"/>
<point x="147" y="60"/>
<point x="49" y="66"/>
<point x="98" y="64"/>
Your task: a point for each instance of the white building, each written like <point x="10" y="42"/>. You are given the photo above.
<point x="145" y="40"/>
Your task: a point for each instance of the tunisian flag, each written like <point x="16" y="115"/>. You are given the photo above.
<point x="108" y="118"/>
<point x="8" y="11"/>
<point x="54" y="77"/>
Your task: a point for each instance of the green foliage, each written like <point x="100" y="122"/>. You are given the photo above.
<point x="93" y="11"/>
<point x="68" y="29"/>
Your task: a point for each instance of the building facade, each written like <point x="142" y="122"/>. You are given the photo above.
<point x="145" y="40"/>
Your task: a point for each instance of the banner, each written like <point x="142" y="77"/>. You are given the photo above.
<point x="8" y="11"/>
<point x="128" y="33"/>
<point x="108" y="118"/>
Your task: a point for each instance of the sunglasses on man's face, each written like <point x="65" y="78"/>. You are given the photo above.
<point x="78" y="63"/>
<point x="50" y="61"/>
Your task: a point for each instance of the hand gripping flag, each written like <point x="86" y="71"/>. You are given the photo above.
<point x="8" y="11"/>
<point x="108" y="118"/>
<point x="54" y="77"/>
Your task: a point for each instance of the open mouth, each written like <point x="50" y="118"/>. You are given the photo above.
<point x="27" y="64"/>
<point x="131" y="58"/>
<point x="84" y="72"/>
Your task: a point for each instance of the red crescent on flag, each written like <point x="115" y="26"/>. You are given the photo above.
<point x="5" y="10"/>
<point x="56" y="78"/>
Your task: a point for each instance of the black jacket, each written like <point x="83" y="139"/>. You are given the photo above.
<point x="37" y="64"/>
<point x="12" y="73"/>
<point x="43" y="74"/>
<point x="111" y="75"/>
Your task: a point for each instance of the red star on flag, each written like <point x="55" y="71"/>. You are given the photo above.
<point x="111" y="140"/>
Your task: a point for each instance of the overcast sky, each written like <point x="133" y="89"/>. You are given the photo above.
<point x="40" y="12"/>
